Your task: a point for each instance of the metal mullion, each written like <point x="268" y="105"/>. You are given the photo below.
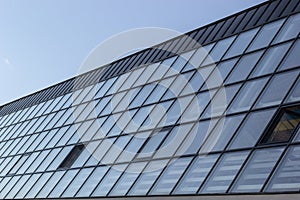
<point x="133" y="63"/>
<point x="145" y="55"/>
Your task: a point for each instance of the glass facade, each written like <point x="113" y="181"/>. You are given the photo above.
<point x="219" y="118"/>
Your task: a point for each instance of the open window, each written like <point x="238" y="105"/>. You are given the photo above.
<point x="72" y="156"/>
<point x="283" y="127"/>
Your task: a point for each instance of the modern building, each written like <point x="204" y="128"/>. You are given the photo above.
<point x="212" y="114"/>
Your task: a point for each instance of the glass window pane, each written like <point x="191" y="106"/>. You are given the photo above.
<point x="31" y="181"/>
<point x="147" y="73"/>
<point x="134" y="75"/>
<point x="179" y="63"/>
<point x="147" y="178"/>
<point x="220" y="101"/>
<point x="176" y="87"/>
<point x="242" y="70"/>
<point x="247" y="95"/>
<point x="159" y="90"/>
<point x="287" y="174"/>
<point x="280" y="82"/>
<point x="152" y="143"/>
<point x="173" y="141"/>
<point x="16" y="187"/>
<point x="218" y="51"/>
<point x="284" y="126"/>
<point x="109" y="180"/>
<point x="292" y="60"/>
<point x="257" y="170"/>
<point x="195" y="175"/>
<point x="290" y="29"/>
<point x="265" y="35"/>
<point x="142" y="96"/>
<point x="295" y="93"/>
<point x="133" y="147"/>
<point x="60" y="158"/>
<point x="241" y="43"/>
<point x="217" y="77"/>
<point x="63" y="183"/>
<point x="198" y="57"/>
<point x="77" y="182"/>
<point x="103" y="88"/>
<point x="221" y="135"/>
<point x="197" y="106"/>
<point x="92" y="182"/>
<point x="5" y="190"/>
<point x="127" y="179"/>
<point x="176" y="110"/>
<point x="38" y="185"/>
<point x="251" y="129"/>
<point x="196" y="137"/>
<point x="170" y="176"/>
<point x="47" y="188"/>
<point x="115" y="149"/>
<point x="270" y="60"/>
<point x="224" y="172"/>
<point x="100" y="152"/>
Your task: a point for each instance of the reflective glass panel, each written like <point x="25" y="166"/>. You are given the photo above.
<point x="287" y="174"/>
<point x="223" y="174"/>
<point x="251" y="129"/>
<point x="270" y="60"/>
<point x="127" y="179"/>
<point x="290" y="29"/>
<point x="222" y="134"/>
<point x="247" y="95"/>
<point x="241" y="43"/>
<point x="295" y="92"/>
<point x="292" y="60"/>
<point x="257" y="170"/>
<point x="109" y="180"/>
<point x="147" y="178"/>
<point x="170" y="176"/>
<point x="265" y="35"/>
<point x="280" y="82"/>
<point x="195" y="174"/>
<point x="92" y="181"/>
<point x="243" y="68"/>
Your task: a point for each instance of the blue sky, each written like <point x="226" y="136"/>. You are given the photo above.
<point x="43" y="42"/>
